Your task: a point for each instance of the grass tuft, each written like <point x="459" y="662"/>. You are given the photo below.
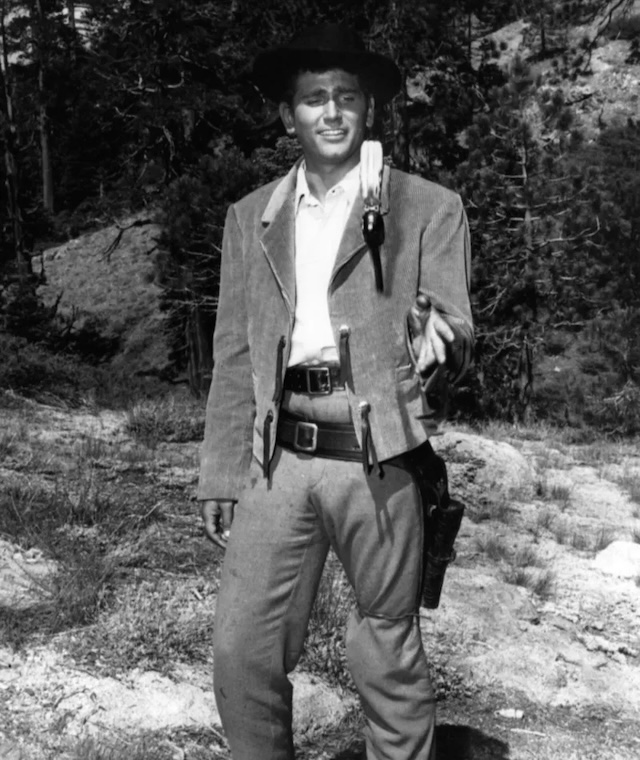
<point x="603" y="538"/>
<point x="526" y="556"/>
<point x="495" y="547"/>
<point x="544" y="519"/>
<point x="539" y="582"/>
<point x="152" y="422"/>
<point x="579" y="540"/>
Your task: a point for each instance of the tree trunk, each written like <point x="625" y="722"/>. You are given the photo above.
<point x="399" y="110"/>
<point x="45" y="151"/>
<point x="200" y="361"/>
<point x="71" y="13"/>
<point x="23" y="262"/>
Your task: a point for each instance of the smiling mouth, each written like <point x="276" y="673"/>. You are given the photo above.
<point x="333" y="133"/>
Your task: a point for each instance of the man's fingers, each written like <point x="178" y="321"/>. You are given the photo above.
<point x="433" y="346"/>
<point x="417" y="317"/>
<point x="217" y="516"/>
<point x="226" y="518"/>
<point x="442" y="328"/>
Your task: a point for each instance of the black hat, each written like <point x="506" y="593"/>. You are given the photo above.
<point x="323" y="47"/>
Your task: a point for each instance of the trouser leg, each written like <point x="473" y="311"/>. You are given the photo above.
<point x="270" y="576"/>
<point x="376" y="527"/>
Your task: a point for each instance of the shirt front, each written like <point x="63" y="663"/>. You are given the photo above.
<point x="318" y="231"/>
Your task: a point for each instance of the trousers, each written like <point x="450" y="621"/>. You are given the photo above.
<point x="282" y="531"/>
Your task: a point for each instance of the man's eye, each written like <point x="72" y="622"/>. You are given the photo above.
<point x="315" y="101"/>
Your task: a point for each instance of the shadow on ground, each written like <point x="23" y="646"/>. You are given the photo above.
<point x="453" y="743"/>
<point x="466" y="743"/>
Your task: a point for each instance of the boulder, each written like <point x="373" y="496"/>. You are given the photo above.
<point x="24" y="576"/>
<point x="495" y="467"/>
<point x="621" y="558"/>
<point x="106" y="280"/>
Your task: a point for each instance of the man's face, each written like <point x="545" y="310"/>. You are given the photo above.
<point x="329" y="114"/>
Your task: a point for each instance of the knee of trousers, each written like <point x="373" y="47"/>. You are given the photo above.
<point x="385" y="646"/>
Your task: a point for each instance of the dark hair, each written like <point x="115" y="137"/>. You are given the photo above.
<point x="289" y="89"/>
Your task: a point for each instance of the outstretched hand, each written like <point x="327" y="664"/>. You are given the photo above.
<point x="217" y="516"/>
<point x="430" y="335"/>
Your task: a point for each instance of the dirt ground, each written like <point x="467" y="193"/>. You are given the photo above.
<point x="526" y="671"/>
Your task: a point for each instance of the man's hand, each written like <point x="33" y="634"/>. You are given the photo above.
<point x="217" y="515"/>
<point x="430" y="335"/>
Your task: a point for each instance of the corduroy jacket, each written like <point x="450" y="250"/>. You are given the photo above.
<point x="426" y="250"/>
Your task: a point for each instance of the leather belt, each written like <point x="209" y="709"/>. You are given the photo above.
<point x="315" y="381"/>
<point x="332" y="440"/>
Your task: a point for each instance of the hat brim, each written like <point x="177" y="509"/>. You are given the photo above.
<point x="272" y="70"/>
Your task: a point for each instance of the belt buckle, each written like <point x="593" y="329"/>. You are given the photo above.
<point x="306" y="437"/>
<point x="318" y="381"/>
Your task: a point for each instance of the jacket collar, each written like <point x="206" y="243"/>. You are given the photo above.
<point x="278" y="237"/>
<point x="287" y="186"/>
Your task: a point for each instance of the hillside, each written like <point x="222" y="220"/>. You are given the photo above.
<point x="111" y="280"/>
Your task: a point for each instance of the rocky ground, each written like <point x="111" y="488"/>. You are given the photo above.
<point x="535" y="644"/>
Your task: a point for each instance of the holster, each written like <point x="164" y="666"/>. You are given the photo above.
<point x="442" y="516"/>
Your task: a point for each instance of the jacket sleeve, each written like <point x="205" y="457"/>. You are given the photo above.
<point x="227" y="447"/>
<point x="445" y="278"/>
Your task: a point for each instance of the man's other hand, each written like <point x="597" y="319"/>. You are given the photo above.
<point x="217" y="516"/>
<point x="430" y="335"/>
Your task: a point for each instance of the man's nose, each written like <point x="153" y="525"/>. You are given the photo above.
<point x="332" y="111"/>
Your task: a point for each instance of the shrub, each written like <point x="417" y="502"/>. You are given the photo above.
<point x="166" y="419"/>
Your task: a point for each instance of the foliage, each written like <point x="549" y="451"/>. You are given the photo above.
<point x="152" y="104"/>
<point x="324" y="652"/>
<point x="554" y="250"/>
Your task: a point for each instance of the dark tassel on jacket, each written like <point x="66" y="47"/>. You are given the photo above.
<point x="368" y="448"/>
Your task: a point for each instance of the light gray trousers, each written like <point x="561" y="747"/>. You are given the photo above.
<point x="280" y="537"/>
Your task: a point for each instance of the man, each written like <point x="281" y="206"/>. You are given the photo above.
<point x="317" y="394"/>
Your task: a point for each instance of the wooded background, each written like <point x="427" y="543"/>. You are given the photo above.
<point x="109" y="108"/>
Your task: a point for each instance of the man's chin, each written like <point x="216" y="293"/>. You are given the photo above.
<point x="338" y="156"/>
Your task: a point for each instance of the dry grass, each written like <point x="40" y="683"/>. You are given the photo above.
<point x="539" y="582"/>
<point x="495" y="547"/>
<point x="152" y="624"/>
<point x="581" y="538"/>
<point x="631" y="483"/>
<point x="81" y="520"/>
<point x="520" y="565"/>
<point x="137" y="580"/>
<point x="544" y="519"/>
<point x="559" y="493"/>
<point x="324" y="652"/>
<point x="196" y="745"/>
<point x="166" y="419"/>
<point x="603" y="538"/>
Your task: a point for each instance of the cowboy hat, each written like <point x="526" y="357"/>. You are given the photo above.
<point x="323" y="47"/>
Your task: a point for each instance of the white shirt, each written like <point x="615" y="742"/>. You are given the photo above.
<point x="318" y="231"/>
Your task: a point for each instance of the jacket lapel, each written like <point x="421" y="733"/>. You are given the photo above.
<point x="278" y="236"/>
<point x="352" y="240"/>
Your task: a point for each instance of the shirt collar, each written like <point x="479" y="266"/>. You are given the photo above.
<point x="349" y="184"/>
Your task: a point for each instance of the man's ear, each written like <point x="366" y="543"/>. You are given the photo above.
<point x="371" y="111"/>
<point x="286" y="114"/>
